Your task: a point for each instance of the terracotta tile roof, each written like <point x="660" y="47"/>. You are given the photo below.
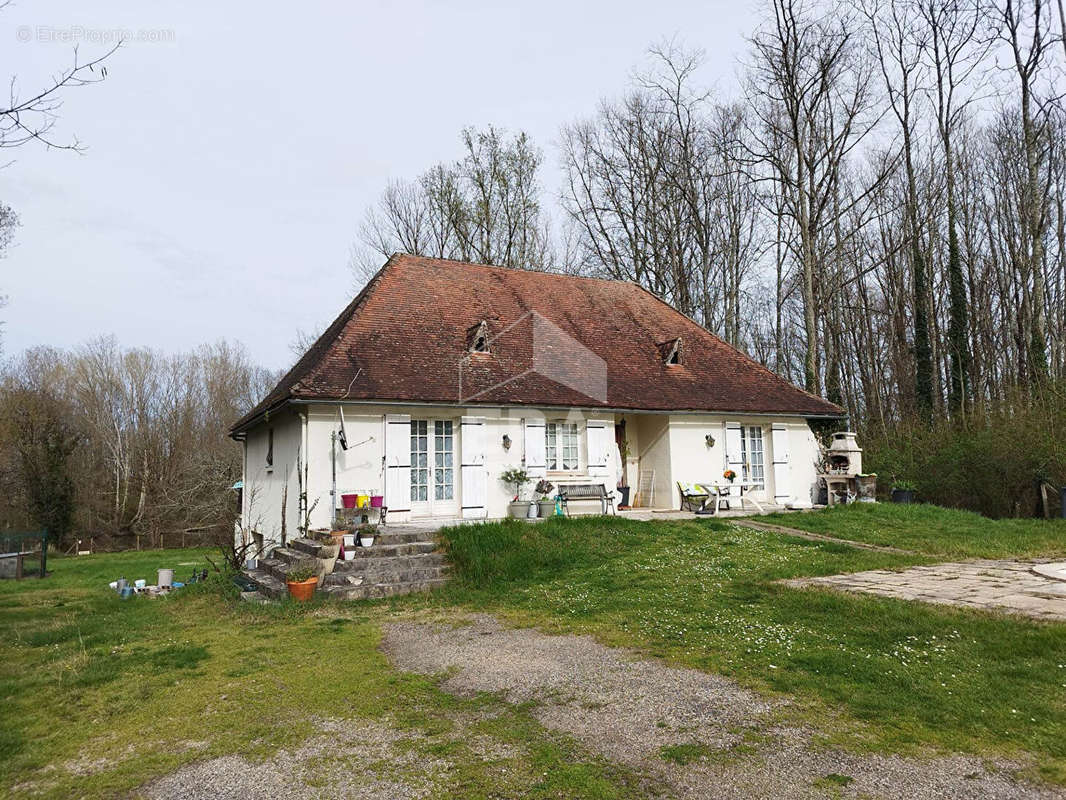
<point x="406" y="337"/>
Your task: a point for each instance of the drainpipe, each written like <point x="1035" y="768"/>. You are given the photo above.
<point x="333" y="478"/>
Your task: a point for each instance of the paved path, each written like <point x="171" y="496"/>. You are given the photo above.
<point x="1010" y="586"/>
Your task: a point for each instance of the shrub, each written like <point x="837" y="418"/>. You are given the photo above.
<point x="992" y="463"/>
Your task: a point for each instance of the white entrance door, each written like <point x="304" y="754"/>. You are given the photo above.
<point x="433" y="491"/>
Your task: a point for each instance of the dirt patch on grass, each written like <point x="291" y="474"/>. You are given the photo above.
<point x="702" y="735"/>
<point x="343" y="760"/>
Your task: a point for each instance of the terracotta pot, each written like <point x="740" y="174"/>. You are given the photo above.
<point x="302" y="591"/>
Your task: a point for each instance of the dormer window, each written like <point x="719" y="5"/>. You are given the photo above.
<point x="671" y="351"/>
<point x="477" y="338"/>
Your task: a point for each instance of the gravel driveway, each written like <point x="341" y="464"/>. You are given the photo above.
<point x="700" y="734"/>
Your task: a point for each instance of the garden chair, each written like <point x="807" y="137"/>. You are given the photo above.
<point x="693" y="496"/>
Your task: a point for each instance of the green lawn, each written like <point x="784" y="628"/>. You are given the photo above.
<point x="130" y="690"/>
<point x="126" y="686"/>
<point x="872" y="672"/>
<point x="941" y="532"/>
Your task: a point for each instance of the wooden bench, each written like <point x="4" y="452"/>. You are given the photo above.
<point x="586" y="491"/>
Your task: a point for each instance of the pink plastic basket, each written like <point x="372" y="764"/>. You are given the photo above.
<point x="376" y="501"/>
<point x="348" y="500"/>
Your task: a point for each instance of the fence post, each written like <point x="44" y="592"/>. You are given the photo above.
<point x="44" y="553"/>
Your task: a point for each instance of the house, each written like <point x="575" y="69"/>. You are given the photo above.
<point x="441" y="374"/>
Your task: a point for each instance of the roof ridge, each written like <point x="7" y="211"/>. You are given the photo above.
<point x="515" y="269"/>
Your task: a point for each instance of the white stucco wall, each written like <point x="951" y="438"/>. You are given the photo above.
<point x="264" y="485"/>
<point x="674" y="445"/>
<point x="362" y="466"/>
<point x="693" y="461"/>
<point x="649" y="440"/>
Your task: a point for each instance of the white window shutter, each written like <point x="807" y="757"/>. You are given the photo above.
<point x="472" y="467"/>
<point x="536" y="457"/>
<point x="398" y="462"/>
<point x="782" y="469"/>
<point x="598" y="447"/>
<point x="734" y="458"/>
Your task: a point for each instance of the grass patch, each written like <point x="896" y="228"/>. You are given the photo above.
<point x="935" y="531"/>
<point x="877" y="672"/>
<point x="684" y="754"/>
<point x="86" y="677"/>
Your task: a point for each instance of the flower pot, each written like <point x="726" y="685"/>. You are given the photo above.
<point x="327" y="557"/>
<point x="623" y="497"/>
<point x="903" y="496"/>
<point x="348" y="500"/>
<point x="377" y="500"/>
<point x="546" y="507"/>
<point x="517" y="509"/>
<point x="366" y="541"/>
<point x="336" y="539"/>
<point x="302" y="591"/>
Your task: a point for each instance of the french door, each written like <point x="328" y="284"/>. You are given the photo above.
<point x="433" y="491"/>
<point x="752" y="452"/>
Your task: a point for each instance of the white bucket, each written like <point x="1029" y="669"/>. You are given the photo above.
<point x="349" y="541"/>
<point x="166" y="578"/>
<point x="140" y="583"/>
<point x="349" y="553"/>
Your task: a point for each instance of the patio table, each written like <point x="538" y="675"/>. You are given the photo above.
<point x="723" y="486"/>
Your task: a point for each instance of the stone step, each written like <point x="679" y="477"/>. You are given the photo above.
<point x="388" y="575"/>
<point x="360" y="565"/>
<point x="268" y="584"/>
<point x="306" y="546"/>
<point x="386" y="536"/>
<point x="291" y="556"/>
<point x="377" y="590"/>
<point x="378" y="550"/>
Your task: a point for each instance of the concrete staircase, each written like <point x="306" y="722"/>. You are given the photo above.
<point x="401" y="561"/>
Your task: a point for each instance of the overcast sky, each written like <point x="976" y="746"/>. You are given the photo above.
<point x="228" y="164"/>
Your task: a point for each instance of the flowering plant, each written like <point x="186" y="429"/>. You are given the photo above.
<point x="543" y="488"/>
<point x="729" y="475"/>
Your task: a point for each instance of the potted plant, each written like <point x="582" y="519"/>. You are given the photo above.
<point x="301" y="583"/>
<point x="903" y="492"/>
<point x="328" y="553"/>
<point x="546" y="504"/>
<point x="367" y="534"/>
<point x="729" y="475"/>
<point x="623" y="478"/>
<point x="517" y="478"/>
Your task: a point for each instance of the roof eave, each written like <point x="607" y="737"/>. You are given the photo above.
<point x="613" y="409"/>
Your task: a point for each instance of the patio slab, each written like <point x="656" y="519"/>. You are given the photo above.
<point x="1016" y="587"/>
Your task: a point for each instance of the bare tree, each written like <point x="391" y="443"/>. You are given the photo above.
<point x="485" y="208"/>
<point x="810" y="93"/>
